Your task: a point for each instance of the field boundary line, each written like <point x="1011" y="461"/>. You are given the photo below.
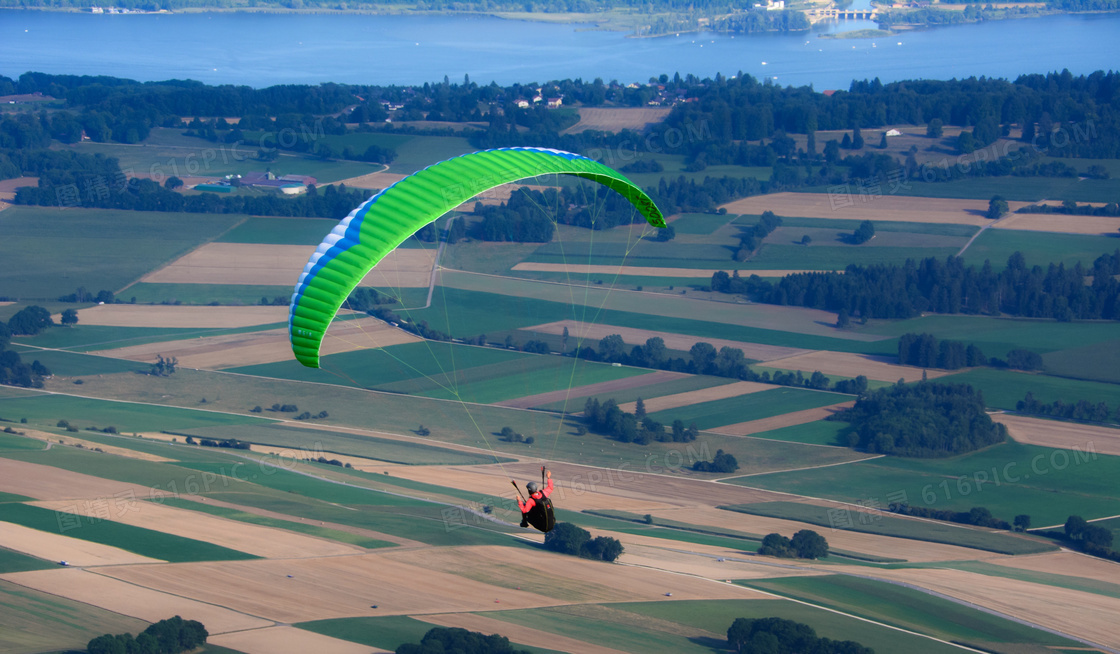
<point x="823" y="465"/>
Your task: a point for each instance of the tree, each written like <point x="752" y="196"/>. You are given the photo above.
<point x="842" y="319"/>
<point x="864" y="232"/>
<point x="30" y="321"/>
<point x="806" y="239"/>
<point x="775" y="545"/>
<point x="423" y="431"/>
<point x="69" y="317"/>
<point x="665" y="234"/>
<point x="997" y="206"/>
<point x="566" y="538"/>
<point x="639" y="409"/>
<point x="173" y="183"/>
<point x="935" y="128"/>
<point x="1022" y="522"/>
<point x="722" y="462"/>
<point x="603" y="548"/>
<point x="1074" y="527"/>
<point x="808" y="544"/>
<point x="857" y="139"/>
<point x="883" y="142"/>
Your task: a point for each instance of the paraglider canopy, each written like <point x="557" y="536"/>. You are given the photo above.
<point x="383" y="222"/>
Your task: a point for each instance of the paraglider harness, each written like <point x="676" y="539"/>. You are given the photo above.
<point x="540" y="516"/>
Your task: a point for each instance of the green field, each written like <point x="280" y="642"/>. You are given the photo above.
<point x="280" y="231"/>
<point x="1095" y="362"/>
<point x="290" y="525"/>
<point x="11" y="561"/>
<point x="886" y="525"/>
<point x="32" y="621"/>
<point x="15" y="443"/>
<point x="1004" y="388"/>
<point x="47" y="410"/>
<point x="74" y="364"/>
<point x="422" y="151"/>
<point x="700" y="223"/>
<point x="386" y="633"/>
<point x="909" y="609"/>
<point x="1039" y="248"/>
<point x="671" y="387"/>
<point x="500" y="382"/>
<point x="882" y="228"/>
<point x="753" y="406"/>
<point x="167" y="152"/>
<point x="1009" y="479"/>
<point x="97" y="337"/>
<point x="327" y="442"/>
<point x="647" y="627"/>
<point x="820" y="432"/>
<point x="146" y="542"/>
<point x="997" y="336"/>
<point x="46" y="253"/>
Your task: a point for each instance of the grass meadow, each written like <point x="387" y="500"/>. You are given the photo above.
<point x="909" y="609"/>
<point x="1002" y="389"/>
<point x="1038" y="248"/>
<point x="11" y="561"/>
<point x="1096" y="362"/>
<point x="280" y="231"/>
<point x="1009" y="479"/>
<point x="886" y="525"/>
<point x="145" y="542"/>
<point x="997" y="336"/>
<point x="233" y="294"/>
<point x="83" y="338"/>
<point x="671" y="387"/>
<point x="49" y="252"/>
<point x="74" y="364"/>
<point x="82" y="412"/>
<point x="753" y="406"/>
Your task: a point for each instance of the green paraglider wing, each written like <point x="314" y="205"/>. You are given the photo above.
<point x="383" y="222"/>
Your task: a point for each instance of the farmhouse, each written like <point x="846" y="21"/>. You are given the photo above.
<point x="286" y="184"/>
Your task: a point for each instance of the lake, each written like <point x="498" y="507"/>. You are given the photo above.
<point x="266" y="49"/>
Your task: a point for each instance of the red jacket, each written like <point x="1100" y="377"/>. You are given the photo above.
<point x="528" y="504"/>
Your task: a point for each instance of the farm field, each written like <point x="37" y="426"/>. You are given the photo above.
<point x="1090" y="362"/>
<point x="997" y="336"/>
<point x="754" y="406"/>
<point x="36" y="621"/>
<point x="675" y="385"/>
<point x="279" y="231"/>
<point x="852" y="365"/>
<point x="784" y="421"/>
<point x="1004" y="388"/>
<point x="277" y="265"/>
<point x="129" y="244"/>
<point x="1039" y="248"/>
<point x="180" y="317"/>
<point x="1065" y="435"/>
<point x="893" y="208"/>
<point x="1036" y="222"/>
<point x="1042" y="482"/>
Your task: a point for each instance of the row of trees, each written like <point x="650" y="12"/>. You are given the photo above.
<point x="925" y="351"/>
<point x="752" y="237"/>
<point x="921" y="420"/>
<point x="978" y="515"/>
<point x="805" y="544"/>
<point x="891" y="291"/>
<point x="608" y="419"/>
<point x="567" y="538"/>
<point x="441" y="640"/>
<point x="1082" y="410"/>
<point x="13" y="370"/>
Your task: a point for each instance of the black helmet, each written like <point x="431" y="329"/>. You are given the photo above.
<point x="532" y="486"/>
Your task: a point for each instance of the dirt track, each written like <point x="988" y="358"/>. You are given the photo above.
<point x="595" y="332"/>
<point x="847" y="364"/>
<point x="896" y="208"/>
<point x="1064" y="435"/>
<point x="281" y="265"/>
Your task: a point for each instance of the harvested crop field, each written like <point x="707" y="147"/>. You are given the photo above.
<point x="49" y="483"/>
<point x="896" y="208"/>
<point x="777" y="422"/>
<point x="1064" y="435"/>
<point x="723" y="392"/>
<point x="69" y="439"/>
<point x="281" y="265"/>
<point x="588" y="390"/>
<point x="641" y="271"/>
<point x="615" y="120"/>
<point x="1088" y="615"/>
<point x="56" y="547"/>
<point x="288" y="640"/>
<point x="241" y="536"/>
<point x="1040" y="222"/>
<point x="329" y="587"/>
<point x="132" y="600"/>
<point x="1071" y="564"/>
<point x="563" y="577"/>
<point x="140" y="315"/>
<point x="234" y="350"/>
<point x="848" y="364"/>
<point x="684" y="343"/>
<point x="663" y="555"/>
<point x="373" y="181"/>
<point x="515" y="632"/>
